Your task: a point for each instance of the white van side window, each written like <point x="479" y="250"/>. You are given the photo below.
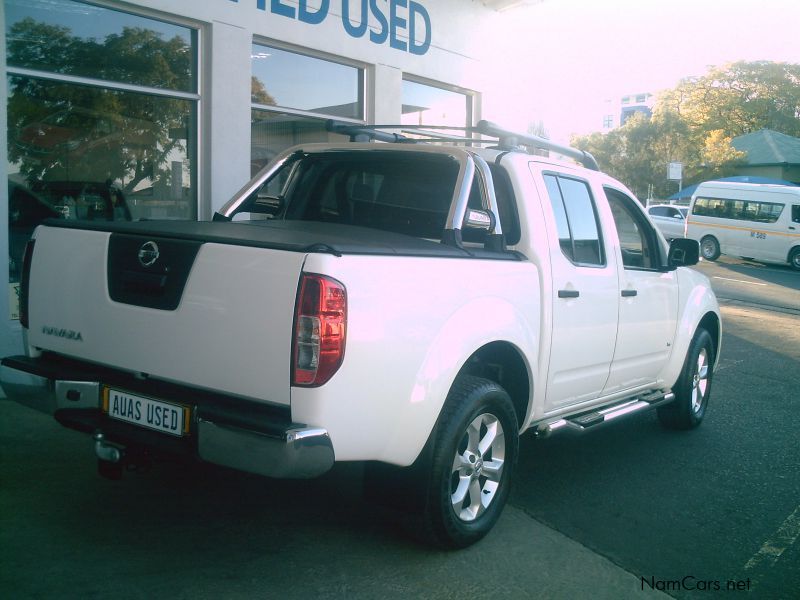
<point x="741" y="210"/>
<point x="796" y="213"/>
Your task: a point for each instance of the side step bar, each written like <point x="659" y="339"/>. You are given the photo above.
<point x="597" y="418"/>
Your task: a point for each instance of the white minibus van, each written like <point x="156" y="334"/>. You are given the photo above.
<point x="751" y="220"/>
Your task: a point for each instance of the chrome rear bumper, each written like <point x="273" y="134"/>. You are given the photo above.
<point x="287" y="451"/>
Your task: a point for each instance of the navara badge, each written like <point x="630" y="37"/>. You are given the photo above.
<point x="148" y="254"/>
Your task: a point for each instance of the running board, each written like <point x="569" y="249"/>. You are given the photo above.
<point x="597" y="418"/>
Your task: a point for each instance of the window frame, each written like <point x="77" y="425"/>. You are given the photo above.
<point x="197" y="78"/>
<point x="598" y="223"/>
<point x="361" y="67"/>
<point x="647" y="232"/>
<point x="193" y="97"/>
<point x="470" y="96"/>
<point x="195" y="139"/>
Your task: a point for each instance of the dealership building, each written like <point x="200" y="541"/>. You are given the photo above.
<point x="162" y="109"/>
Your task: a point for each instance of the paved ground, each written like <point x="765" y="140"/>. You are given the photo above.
<point x="212" y="533"/>
<point x="607" y="515"/>
<point x="718" y="504"/>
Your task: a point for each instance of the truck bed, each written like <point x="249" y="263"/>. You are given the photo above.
<point x="291" y="236"/>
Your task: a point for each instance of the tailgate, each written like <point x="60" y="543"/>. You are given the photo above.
<point x="211" y="315"/>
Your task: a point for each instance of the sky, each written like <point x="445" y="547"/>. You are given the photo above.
<point x="561" y="60"/>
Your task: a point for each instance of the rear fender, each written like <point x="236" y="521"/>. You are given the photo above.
<point x="476" y="324"/>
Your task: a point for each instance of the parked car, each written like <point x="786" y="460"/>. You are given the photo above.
<point x="412" y="306"/>
<point x="670" y="219"/>
<point x="26" y="210"/>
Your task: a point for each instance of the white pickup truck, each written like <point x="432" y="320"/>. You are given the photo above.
<point x="412" y="305"/>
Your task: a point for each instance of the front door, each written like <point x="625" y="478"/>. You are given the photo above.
<point x="648" y="300"/>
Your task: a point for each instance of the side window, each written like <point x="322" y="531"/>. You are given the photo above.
<point x="637" y="238"/>
<point x="659" y="211"/>
<point x="796" y="213"/>
<point x="576" y="219"/>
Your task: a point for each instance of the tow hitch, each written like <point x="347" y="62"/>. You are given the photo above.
<point x="113" y="459"/>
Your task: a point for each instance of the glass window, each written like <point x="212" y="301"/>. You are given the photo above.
<point x="429" y="105"/>
<point x="796" y="213"/>
<point x="636" y="237"/>
<point x="64" y="139"/>
<point x="407" y="194"/>
<point x="292" y="80"/>
<point x="81" y="150"/>
<point x="659" y="211"/>
<point x="73" y="38"/>
<point x="557" y="202"/>
<point x="741" y="210"/>
<point x="285" y="79"/>
<point x="274" y="132"/>
<point x="576" y="219"/>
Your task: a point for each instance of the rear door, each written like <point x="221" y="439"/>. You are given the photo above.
<point x="585" y="292"/>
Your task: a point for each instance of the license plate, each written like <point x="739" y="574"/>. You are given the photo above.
<point x="165" y="417"/>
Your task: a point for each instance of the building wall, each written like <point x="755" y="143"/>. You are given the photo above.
<point x="444" y="55"/>
<point x="788" y="173"/>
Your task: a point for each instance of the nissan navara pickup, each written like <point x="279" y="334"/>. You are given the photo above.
<point x="411" y="305"/>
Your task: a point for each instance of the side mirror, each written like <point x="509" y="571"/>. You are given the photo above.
<point x="683" y="252"/>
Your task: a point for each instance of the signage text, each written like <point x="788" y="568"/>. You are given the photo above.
<point x="404" y="24"/>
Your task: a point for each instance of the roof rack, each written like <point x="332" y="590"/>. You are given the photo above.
<point x="511" y="139"/>
<point x="503" y="138"/>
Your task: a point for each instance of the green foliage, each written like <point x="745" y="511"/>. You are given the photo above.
<point x="694" y="124"/>
<point x="739" y="98"/>
<point x="719" y="156"/>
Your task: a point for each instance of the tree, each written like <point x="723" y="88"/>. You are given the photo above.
<point x="739" y="98"/>
<point x="694" y="124"/>
<point x="720" y="158"/>
<point x="638" y="152"/>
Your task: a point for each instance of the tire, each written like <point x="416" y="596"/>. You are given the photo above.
<point x="794" y="259"/>
<point x="472" y="460"/>
<point x="709" y="248"/>
<point x="693" y="388"/>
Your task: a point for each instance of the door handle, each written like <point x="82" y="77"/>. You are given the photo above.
<point x="629" y="293"/>
<point x="568" y="293"/>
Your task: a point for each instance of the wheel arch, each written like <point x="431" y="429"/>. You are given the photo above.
<point x="791" y="253"/>
<point x="503" y="363"/>
<point x="700" y="309"/>
<point x="711" y="323"/>
<point x="490" y="337"/>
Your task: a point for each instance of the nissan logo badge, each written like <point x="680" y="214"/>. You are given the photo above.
<point x="148" y="254"/>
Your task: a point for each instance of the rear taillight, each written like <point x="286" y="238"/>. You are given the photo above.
<point x="24" y="284"/>
<point x="320" y="322"/>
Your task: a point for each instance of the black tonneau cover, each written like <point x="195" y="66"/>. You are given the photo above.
<point x="292" y="236"/>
